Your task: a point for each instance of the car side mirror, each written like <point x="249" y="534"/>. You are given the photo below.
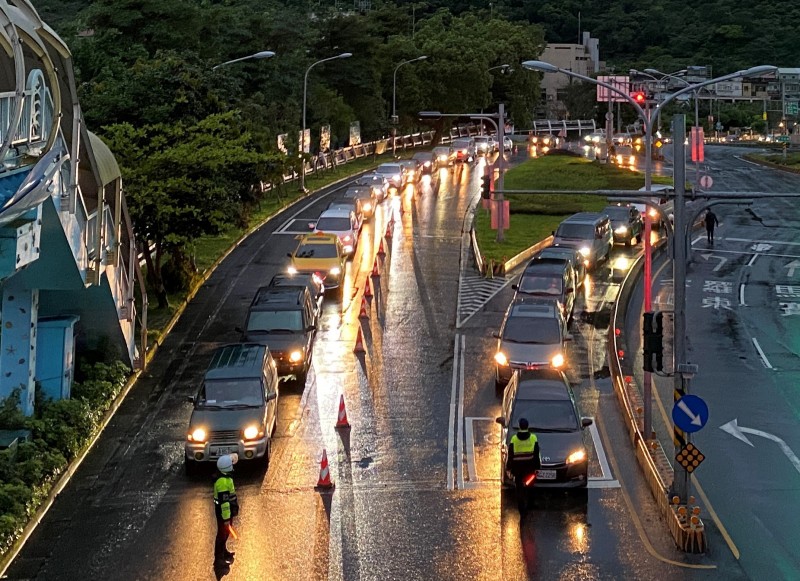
<point x="515" y="287"/>
<point x="312" y="225"/>
<point x="586" y="422"/>
<point x="289" y="254"/>
<point x="496" y="335"/>
<point x="272" y="395"/>
<point x="190" y="399"/>
<point x="501" y="420"/>
<point x="552" y="232"/>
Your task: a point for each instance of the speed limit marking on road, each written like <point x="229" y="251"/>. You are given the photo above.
<point x="706" y="182"/>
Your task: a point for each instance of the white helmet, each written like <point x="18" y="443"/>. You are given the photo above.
<point x="225" y="463"/>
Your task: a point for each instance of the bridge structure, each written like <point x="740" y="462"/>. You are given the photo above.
<point x="68" y="259"/>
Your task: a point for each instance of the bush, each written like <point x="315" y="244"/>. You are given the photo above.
<point x="59" y="431"/>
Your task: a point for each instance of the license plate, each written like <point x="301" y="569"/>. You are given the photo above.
<point x="222" y="450"/>
<point x="546" y="474"/>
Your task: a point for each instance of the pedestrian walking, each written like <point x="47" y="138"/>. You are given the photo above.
<point x="711" y="222"/>
<point x="226" y="506"/>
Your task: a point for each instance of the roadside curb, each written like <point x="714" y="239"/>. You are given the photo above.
<point x="690" y="537"/>
<point x="62" y="481"/>
<point x="752" y="158"/>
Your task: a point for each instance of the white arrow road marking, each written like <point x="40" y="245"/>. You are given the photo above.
<point x="792" y="266"/>
<point x="696" y="421"/>
<point x="738" y="432"/>
<point x="720" y="258"/>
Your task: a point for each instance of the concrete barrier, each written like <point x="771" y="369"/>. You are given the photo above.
<point x="688" y="535"/>
<point x="525" y="255"/>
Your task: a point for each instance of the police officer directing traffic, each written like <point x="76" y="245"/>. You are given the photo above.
<point x="523" y="458"/>
<point x="226" y="506"/>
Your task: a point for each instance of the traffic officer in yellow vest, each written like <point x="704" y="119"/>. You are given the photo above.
<point x="523" y="459"/>
<point x="226" y="506"/>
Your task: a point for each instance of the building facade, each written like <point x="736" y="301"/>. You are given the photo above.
<point x="581" y="58"/>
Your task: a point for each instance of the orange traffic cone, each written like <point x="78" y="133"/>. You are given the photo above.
<point x="375" y="268"/>
<point x="324" y="472"/>
<point x="363" y="313"/>
<point x="381" y="250"/>
<point x="359" y="346"/>
<point x="368" y="289"/>
<point x="342" y="422"/>
<point x="389" y="227"/>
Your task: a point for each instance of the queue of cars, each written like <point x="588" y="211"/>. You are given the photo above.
<point x="530" y="356"/>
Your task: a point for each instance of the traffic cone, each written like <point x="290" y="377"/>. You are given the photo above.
<point x="324" y="472"/>
<point x="368" y="289"/>
<point x="381" y="250"/>
<point x="363" y="314"/>
<point x="342" y="422"/>
<point x="375" y="268"/>
<point x="359" y="346"/>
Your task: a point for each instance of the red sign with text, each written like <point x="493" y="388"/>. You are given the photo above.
<point x="697" y="144"/>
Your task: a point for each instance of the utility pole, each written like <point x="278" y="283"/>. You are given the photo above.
<point x="499" y="199"/>
<point x="680" y="485"/>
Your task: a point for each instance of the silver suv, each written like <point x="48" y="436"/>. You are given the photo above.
<point x="236" y="407"/>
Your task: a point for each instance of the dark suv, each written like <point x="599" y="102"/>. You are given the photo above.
<point x="284" y="319"/>
<point x="626" y="223"/>
<point x="550" y="279"/>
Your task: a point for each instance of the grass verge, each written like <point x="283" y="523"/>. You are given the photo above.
<point x="792" y="159"/>
<point x="535" y="216"/>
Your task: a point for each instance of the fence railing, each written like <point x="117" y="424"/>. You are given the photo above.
<point x="332" y="159"/>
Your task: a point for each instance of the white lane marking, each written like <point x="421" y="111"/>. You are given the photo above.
<point x="601" y="453"/>
<point x="599" y="483"/>
<point x="741" y="295"/>
<point x="753" y="259"/>
<point x="472" y="471"/>
<point x="452" y="425"/>
<point x="737" y="431"/>
<point x="696" y="240"/>
<point x="721" y="260"/>
<point x="759" y="253"/>
<point x="764" y="359"/>
<point x="778" y="242"/>
<point x="740" y="158"/>
<point x="791" y="267"/>
<point x="460" y="442"/>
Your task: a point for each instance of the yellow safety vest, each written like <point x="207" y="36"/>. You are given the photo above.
<point x="224" y="495"/>
<point x="523" y="449"/>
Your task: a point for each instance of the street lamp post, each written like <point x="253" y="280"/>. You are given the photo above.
<point x="394" y="100"/>
<point x="264" y="54"/>
<point x="681" y="482"/>
<point x="302" y="147"/>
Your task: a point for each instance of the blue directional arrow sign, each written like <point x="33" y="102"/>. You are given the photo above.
<point x="690" y="413"/>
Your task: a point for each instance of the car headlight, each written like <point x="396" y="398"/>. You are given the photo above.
<point x="396" y="177"/>
<point x="291" y="270"/>
<point x="317" y="278"/>
<point x="557" y="361"/>
<point x="295" y="356"/>
<point x="576" y="457"/>
<point x="442" y="158"/>
<point x="585" y="251"/>
<point x="252" y="432"/>
<point x="348" y="248"/>
<point x="621" y="230"/>
<point x="197" y="435"/>
<point x="427" y="164"/>
<point x="621" y="263"/>
<point x="335" y="271"/>
<point x="368" y="207"/>
<point x="347" y="238"/>
<point x="500" y="358"/>
<point x="632" y="160"/>
<point x="652" y="213"/>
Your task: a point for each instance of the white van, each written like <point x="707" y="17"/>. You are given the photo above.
<point x="663" y="198"/>
<point x="589" y="233"/>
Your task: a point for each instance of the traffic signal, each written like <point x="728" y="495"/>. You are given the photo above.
<point x="486" y="186"/>
<point x="639" y="97"/>
<point x="652" y="341"/>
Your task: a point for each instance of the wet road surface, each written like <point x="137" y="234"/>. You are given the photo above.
<point x="417" y="493"/>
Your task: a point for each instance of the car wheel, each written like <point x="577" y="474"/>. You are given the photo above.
<point x="628" y="242"/>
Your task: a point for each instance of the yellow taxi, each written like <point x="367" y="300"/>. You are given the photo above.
<point x="321" y="255"/>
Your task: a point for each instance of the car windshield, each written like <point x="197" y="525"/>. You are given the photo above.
<point x="580" y="231"/>
<point x="357" y="193"/>
<point x="617" y="212"/>
<point x="316" y="251"/>
<point x="541" y="331"/>
<point x="544" y="285"/>
<point x="389" y="169"/>
<point x="333" y="224"/>
<point x="545" y="415"/>
<point x="441" y="150"/>
<point x="461" y="144"/>
<point x="565" y="255"/>
<point x="231" y="393"/>
<point x="275" y="321"/>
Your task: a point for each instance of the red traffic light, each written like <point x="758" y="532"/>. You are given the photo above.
<point x="639" y="97"/>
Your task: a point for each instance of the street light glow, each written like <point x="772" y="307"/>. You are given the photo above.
<point x="540" y="66"/>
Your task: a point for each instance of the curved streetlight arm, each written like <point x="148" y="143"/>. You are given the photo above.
<point x="305" y="86"/>
<point x="504" y="67"/>
<point x="259" y="55"/>
<point x="394" y="84"/>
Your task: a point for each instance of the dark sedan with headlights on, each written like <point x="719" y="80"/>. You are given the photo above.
<point x="545" y="399"/>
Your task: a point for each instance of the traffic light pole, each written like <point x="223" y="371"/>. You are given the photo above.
<point x="680" y="484"/>
<point x="499" y="199"/>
